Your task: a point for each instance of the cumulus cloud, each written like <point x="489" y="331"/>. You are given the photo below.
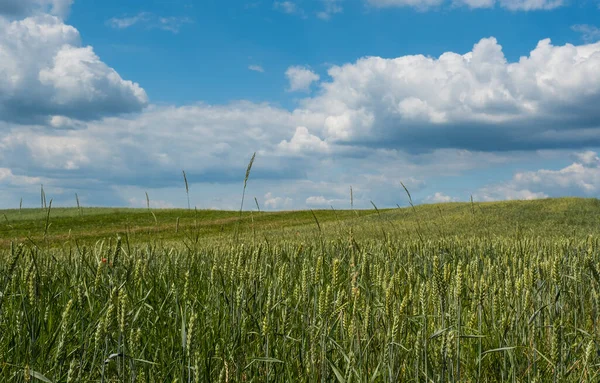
<point x="574" y="179"/>
<point x="318" y="201"/>
<point x="588" y="158"/>
<point x="477" y="100"/>
<point x="45" y="71"/>
<point x="300" y="78"/>
<point x="303" y="142"/>
<point x="513" y="5"/>
<point x="276" y="203"/>
<point x="213" y="144"/>
<point x="374" y="123"/>
<point x="154" y="204"/>
<point x="322" y="202"/>
<point x="580" y="178"/>
<point x="439" y="198"/>
<point x="503" y="192"/>
<point x="21" y="8"/>
<point x="8" y="179"/>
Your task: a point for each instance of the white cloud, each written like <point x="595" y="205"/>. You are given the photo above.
<point x="300" y="78"/>
<point x="476" y="100"/>
<point x="128" y="21"/>
<point x="149" y="20"/>
<point x="212" y="143"/>
<point x="288" y="7"/>
<point x="62" y="122"/>
<point x="154" y="204"/>
<point x="7" y="178"/>
<point x="322" y="202"/>
<point x="419" y="4"/>
<point x="45" y="71"/>
<point x="20" y="8"/>
<point x="576" y="177"/>
<point x="588" y="158"/>
<point x="256" y="68"/>
<point x="330" y="7"/>
<point x="173" y="23"/>
<point x="439" y="198"/>
<point x="276" y="203"/>
<point x="589" y="33"/>
<point x="303" y="142"/>
<point x="531" y="5"/>
<point x="513" y="5"/>
<point x="318" y="201"/>
<point x="475" y="3"/>
<point x="580" y="178"/>
<point x="374" y="123"/>
<point x="502" y="193"/>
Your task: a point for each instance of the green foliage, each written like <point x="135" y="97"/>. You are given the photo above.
<point x="488" y="292"/>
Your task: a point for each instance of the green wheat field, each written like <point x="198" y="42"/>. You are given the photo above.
<point x="457" y="292"/>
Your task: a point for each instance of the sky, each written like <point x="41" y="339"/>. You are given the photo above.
<point x="489" y="99"/>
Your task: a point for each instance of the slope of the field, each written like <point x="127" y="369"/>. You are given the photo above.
<point x="549" y="217"/>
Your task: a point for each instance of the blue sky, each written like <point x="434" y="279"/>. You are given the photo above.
<point x="498" y="99"/>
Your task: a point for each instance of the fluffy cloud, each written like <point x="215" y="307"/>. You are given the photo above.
<point x="372" y="124"/>
<point x="303" y="142"/>
<point x="20" y="8"/>
<point x="276" y="203"/>
<point x="46" y="72"/>
<point x="8" y="179"/>
<point x="502" y="192"/>
<point x="212" y="143"/>
<point x="588" y="158"/>
<point x="476" y="100"/>
<point x="300" y="78"/>
<point x="576" y="178"/>
<point x="580" y="178"/>
<point x="513" y="5"/>
<point x="318" y="201"/>
<point x="439" y="198"/>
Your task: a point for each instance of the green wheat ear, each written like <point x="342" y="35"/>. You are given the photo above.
<point x="187" y="188"/>
<point x="248" y="169"/>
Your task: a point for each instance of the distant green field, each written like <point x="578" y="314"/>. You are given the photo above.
<point x="458" y="292"/>
<point x="549" y="217"/>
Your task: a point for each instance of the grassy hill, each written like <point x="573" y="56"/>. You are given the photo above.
<point x="548" y="217"/>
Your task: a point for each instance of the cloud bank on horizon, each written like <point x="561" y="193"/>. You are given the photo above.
<point x="448" y="126"/>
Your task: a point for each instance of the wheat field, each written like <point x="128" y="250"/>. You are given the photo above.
<point x="376" y="298"/>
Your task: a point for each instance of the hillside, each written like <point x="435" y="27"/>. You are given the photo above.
<point x="549" y="217"/>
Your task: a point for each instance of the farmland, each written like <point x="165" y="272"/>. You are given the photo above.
<point x="503" y="291"/>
